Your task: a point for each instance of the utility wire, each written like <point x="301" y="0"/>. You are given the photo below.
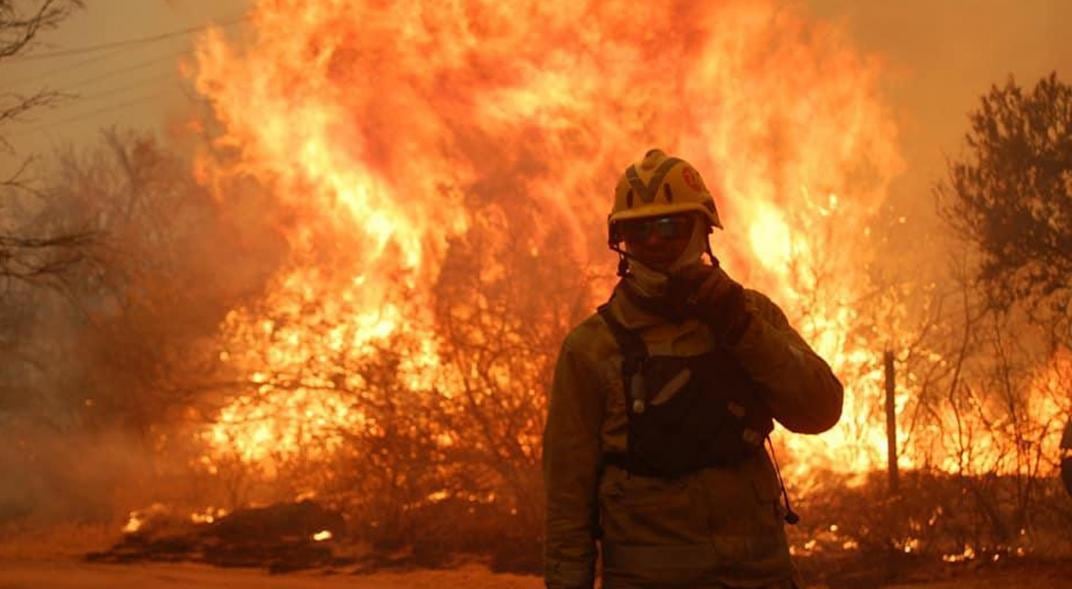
<point x="78" y="99"/>
<point x="66" y="68"/>
<point x="136" y="84"/>
<point x="73" y="99"/>
<point x="123" y="43"/>
<point x="85" y="115"/>
<point x="89" y="81"/>
<point x="111" y="49"/>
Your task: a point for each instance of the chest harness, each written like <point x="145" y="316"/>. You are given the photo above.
<point x="686" y="413"/>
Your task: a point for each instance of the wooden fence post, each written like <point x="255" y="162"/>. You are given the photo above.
<point x="891" y="422"/>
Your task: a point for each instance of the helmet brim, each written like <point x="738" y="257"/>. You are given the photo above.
<point x="661" y="210"/>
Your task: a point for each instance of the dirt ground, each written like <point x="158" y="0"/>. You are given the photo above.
<point x="1005" y="580"/>
<point x="54" y="560"/>
<point x="73" y="574"/>
<point x="76" y="575"/>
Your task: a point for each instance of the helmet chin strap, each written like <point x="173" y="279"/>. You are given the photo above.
<point x="623" y="262"/>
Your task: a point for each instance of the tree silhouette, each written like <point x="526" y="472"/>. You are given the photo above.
<point x="1011" y="194"/>
<point x="30" y="258"/>
<point x="20" y="23"/>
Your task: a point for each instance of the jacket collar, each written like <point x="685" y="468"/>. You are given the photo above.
<point x="631" y="315"/>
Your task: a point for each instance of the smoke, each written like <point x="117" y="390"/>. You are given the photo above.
<point x="53" y="475"/>
<point x="104" y="356"/>
<point x="939" y="59"/>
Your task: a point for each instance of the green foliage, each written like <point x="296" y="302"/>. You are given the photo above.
<point x="1011" y="194"/>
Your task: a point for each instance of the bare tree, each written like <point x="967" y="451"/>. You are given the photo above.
<point x="1009" y="197"/>
<point x="110" y="319"/>
<point x="501" y="331"/>
<point x="22" y="257"/>
<point x="20" y="24"/>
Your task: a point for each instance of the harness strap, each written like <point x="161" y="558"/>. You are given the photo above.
<point x="634" y="353"/>
<point x="634" y="350"/>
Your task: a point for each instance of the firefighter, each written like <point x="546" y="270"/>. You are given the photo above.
<point x="654" y="448"/>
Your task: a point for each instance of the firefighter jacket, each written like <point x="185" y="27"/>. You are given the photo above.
<point x="715" y="527"/>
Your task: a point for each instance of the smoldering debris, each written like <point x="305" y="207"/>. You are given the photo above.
<point x="281" y="537"/>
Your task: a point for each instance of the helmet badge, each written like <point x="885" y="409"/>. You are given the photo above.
<point x="691" y="178"/>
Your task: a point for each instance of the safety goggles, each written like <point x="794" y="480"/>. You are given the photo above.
<point x="670" y="227"/>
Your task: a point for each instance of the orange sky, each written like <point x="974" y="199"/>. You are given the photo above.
<point x="133" y="86"/>
<point x="940" y="57"/>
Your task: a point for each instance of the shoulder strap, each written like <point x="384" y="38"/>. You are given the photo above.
<point x="634" y="350"/>
<point x="634" y="354"/>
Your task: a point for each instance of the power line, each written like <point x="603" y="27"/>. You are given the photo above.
<point x="89" y="81"/>
<point x="138" y="83"/>
<point x="79" y="116"/>
<point x="66" y="68"/>
<point x="93" y="80"/>
<point x="111" y="49"/>
<point x="85" y="115"/>
<point x="81" y="99"/>
<point x="123" y="43"/>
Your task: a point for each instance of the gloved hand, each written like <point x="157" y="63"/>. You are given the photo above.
<point x="709" y="294"/>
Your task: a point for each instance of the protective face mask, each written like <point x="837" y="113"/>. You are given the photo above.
<point x="652" y="283"/>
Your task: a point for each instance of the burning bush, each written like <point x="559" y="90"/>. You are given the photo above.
<point x="450" y="235"/>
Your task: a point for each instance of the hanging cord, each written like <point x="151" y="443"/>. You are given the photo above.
<point x="791" y="516"/>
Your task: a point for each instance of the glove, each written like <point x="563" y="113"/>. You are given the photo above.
<point x="710" y="295"/>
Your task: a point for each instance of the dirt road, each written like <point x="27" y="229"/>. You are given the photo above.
<point x="71" y="574"/>
<point x="77" y="575"/>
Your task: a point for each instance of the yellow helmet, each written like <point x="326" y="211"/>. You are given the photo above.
<point x="660" y="185"/>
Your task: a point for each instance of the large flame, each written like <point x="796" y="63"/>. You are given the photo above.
<point x="375" y="125"/>
<point x="384" y="131"/>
